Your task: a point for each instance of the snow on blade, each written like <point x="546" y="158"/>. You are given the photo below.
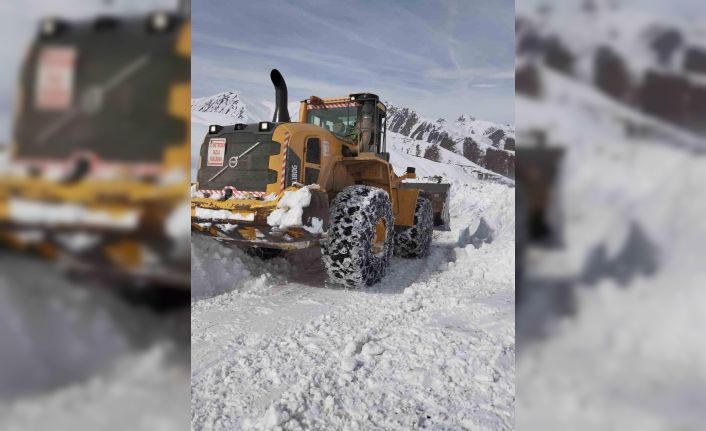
<point x="27" y="211"/>
<point x="205" y="213"/>
<point x="290" y="208"/>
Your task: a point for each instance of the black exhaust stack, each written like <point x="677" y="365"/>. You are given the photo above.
<point x="281" y="111"/>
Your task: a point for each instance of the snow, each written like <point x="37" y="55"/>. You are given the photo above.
<point x="432" y="345"/>
<point x="51" y="214"/>
<point x="452" y="167"/>
<point x="317" y="226"/>
<point x="79" y="241"/>
<point x="178" y="226"/>
<point x="290" y="208"/>
<point x="610" y="334"/>
<point x="206" y="213"/>
<point x="80" y="357"/>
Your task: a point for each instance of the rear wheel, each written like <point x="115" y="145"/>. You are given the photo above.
<point x="357" y="248"/>
<point x="415" y="241"/>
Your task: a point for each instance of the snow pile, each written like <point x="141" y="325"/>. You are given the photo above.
<point x="217" y="269"/>
<point x="290" y="208"/>
<point x="77" y="357"/>
<point x="177" y="225"/>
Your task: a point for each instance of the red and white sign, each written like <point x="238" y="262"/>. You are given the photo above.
<point x="216" y="152"/>
<point x="55" y="78"/>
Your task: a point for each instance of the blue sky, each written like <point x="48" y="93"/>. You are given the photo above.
<point x="442" y="58"/>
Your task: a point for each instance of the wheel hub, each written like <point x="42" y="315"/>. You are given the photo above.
<point x="378" y="245"/>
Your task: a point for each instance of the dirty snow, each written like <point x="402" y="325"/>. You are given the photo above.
<point x="432" y="345"/>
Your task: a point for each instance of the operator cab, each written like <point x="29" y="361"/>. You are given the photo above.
<point x="359" y="119"/>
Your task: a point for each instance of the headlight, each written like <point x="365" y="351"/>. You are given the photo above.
<point x="160" y="22"/>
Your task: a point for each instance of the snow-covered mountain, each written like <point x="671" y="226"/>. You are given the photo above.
<point x="654" y="63"/>
<point x="233" y="107"/>
<point x="629" y="224"/>
<point x="484" y="143"/>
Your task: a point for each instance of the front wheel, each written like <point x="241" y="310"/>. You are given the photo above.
<point x="357" y="248"/>
<point x="415" y="241"/>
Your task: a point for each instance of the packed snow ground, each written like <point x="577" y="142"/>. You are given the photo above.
<point x="82" y="358"/>
<point x="431" y="346"/>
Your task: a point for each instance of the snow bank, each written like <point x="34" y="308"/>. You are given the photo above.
<point x="178" y="223"/>
<point x="290" y="208"/>
<point x="76" y="357"/>
<point x="218" y="268"/>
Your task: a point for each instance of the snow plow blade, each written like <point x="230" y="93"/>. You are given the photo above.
<point x="124" y="258"/>
<point x="252" y="229"/>
<point x="439" y="194"/>
<point x="262" y="236"/>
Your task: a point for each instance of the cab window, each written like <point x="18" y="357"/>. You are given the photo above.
<point x="339" y="121"/>
<point x="313" y="151"/>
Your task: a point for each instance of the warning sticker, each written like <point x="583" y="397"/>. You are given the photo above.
<point x="216" y="152"/>
<point x="55" y="78"/>
<point x="326" y="149"/>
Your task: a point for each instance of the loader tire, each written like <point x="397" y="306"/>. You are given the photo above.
<point x="358" y="245"/>
<point x="415" y="241"/>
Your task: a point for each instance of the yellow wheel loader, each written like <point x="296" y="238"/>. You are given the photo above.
<point x="325" y="181"/>
<point x="99" y="161"/>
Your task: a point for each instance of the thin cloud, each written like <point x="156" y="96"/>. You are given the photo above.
<point x="438" y="58"/>
<point x="470" y="73"/>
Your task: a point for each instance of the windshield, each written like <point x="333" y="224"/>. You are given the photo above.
<point x="340" y="121"/>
